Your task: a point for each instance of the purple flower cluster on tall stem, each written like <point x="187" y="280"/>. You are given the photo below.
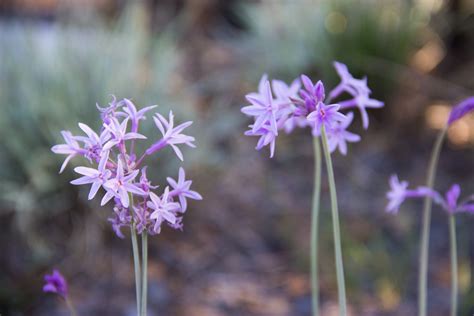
<point x="114" y="167"/>
<point x="112" y="152"/>
<point x="278" y="106"/>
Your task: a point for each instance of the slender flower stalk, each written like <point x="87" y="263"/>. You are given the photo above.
<point x="426" y="221"/>
<point x="136" y="265"/>
<point x="70" y="306"/>
<point x="315" y="226"/>
<point x="341" y="289"/>
<point x="454" y="265"/>
<point x="145" y="273"/>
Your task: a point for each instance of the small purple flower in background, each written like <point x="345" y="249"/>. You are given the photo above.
<point x="301" y="104"/>
<point x="452" y="197"/>
<point x="460" y="110"/>
<point x="399" y="192"/>
<point x="55" y="283"/>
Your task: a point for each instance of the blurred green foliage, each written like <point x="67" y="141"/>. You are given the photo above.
<point x="51" y="77"/>
<point x="288" y="38"/>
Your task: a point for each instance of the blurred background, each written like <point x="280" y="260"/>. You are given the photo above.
<point x="245" y="248"/>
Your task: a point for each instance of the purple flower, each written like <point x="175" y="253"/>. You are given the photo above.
<point x="164" y="209"/>
<point x="171" y="135"/>
<point x="93" y="143"/>
<point x="460" y="110"/>
<point x="120" y="219"/>
<point x="267" y="137"/>
<point x="55" y="283"/>
<point x="182" y="190"/>
<point x="95" y="176"/>
<point x="338" y="136"/>
<point x="312" y="95"/>
<point x="119" y="133"/>
<point x="121" y="185"/>
<point x="452" y="197"/>
<point x="362" y="101"/>
<point x="107" y="113"/>
<point x="71" y="148"/>
<point x="396" y="195"/>
<point x="325" y="115"/>
<point x="262" y="107"/>
<point x="134" y="115"/>
<point x="449" y="202"/>
<point x="284" y="93"/>
<point x="399" y="192"/>
<point x="142" y="218"/>
<point x="348" y="83"/>
<point x="144" y="183"/>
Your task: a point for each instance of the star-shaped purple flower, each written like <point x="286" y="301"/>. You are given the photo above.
<point x="118" y="132"/>
<point x="397" y="194"/>
<point x="71" y="148"/>
<point x="95" y="176"/>
<point x="338" y="136"/>
<point x="121" y="185"/>
<point x="171" y="135"/>
<point x="262" y="107"/>
<point x="348" y="83"/>
<point x="182" y="189"/>
<point x="325" y="115"/>
<point x="135" y="116"/>
<point x="164" y="209"/>
<point x="362" y="101"/>
<point x="267" y="137"/>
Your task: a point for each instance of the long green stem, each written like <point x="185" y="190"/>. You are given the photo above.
<point x="144" y="272"/>
<point x="315" y="226"/>
<point x="425" y="231"/>
<point x="341" y="289"/>
<point x="454" y="265"/>
<point x="136" y="264"/>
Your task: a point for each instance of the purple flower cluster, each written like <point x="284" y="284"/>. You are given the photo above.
<point x="399" y="192"/>
<point x="278" y="106"/>
<point x="115" y="167"/>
